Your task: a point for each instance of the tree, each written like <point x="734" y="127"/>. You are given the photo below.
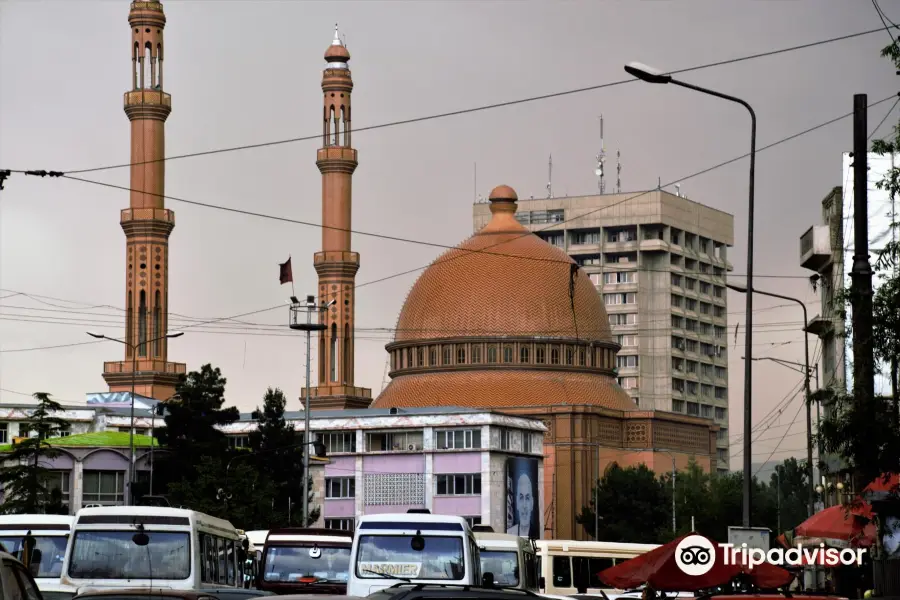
<point x="190" y="432"/>
<point x="24" y="479"/>
<point x="790" y="486"/>
<point x="278" y="450"/>
<point x="634" y="506"/>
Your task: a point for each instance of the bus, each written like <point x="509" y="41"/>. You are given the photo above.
<point x="136" y="546"/>
<point x="510" y="559"/>
<point x="412" y="547"/>
<point x="568" y="567"/>
<point x="305" y="561"/>
<point x="51" y="534"/>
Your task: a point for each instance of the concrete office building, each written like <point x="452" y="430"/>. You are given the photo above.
<point x="660" y="261"/>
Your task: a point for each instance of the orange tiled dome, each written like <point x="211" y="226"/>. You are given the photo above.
<point x="503" y="281"/>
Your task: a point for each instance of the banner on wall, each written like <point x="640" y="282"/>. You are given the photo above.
<point x="523" y="507"/>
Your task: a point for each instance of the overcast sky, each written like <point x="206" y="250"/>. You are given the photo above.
<point x="249" y="72"/>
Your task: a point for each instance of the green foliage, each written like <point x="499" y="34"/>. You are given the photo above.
<point x="24" y="475"/>
<point x="790" y="485"/>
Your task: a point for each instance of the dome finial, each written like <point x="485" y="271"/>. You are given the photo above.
<point x="337" y="37"/>
<point x="503" y="199"/>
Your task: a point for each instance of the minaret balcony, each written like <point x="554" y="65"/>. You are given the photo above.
<point x="147" y="221"/>
<point x="148" y="97"/>
<point x="145" y="366"/>
<point x="148" y="214"/>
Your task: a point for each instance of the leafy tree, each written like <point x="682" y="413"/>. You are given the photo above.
<point x="25" y="490"/>
<point x="190" y="432"/>
<point x="634" y="506"/>
<point x="278" y="450"/>
<point x="790" y="486"/>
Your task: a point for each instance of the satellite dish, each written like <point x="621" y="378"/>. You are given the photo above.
<point x="598" y="172"/>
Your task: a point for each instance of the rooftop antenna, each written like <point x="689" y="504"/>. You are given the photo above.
<point x="550" y="178"/>
<point x="658" y="183"/>
<point x="601" y="161"/>
<point x="678" y="190"/>
<point x="475" y="184"/>
<point x="618" y="172"/>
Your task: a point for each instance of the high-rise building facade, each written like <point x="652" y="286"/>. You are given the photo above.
<point x="147" y="223"/>
<point x="660" y="262"/>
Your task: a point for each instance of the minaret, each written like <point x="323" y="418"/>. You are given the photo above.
<point x="147" y="223"/>
<point x="336" y="264"/>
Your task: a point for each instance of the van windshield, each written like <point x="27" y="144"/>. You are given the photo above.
<point x="53" y="551"/>
<point x="285" y="564"/>
<point x="114" y="555"/>
<point x="503" y="565"/>
<point x="381" y="556"/>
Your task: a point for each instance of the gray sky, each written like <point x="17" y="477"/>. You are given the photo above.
<point x="249" y="72"/>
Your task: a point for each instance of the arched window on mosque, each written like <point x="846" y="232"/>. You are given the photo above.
<point x="570" y="355"/>
<point x="523" y="354"/>
<point x="420" y="355"/>
<point x="492" y="354"/>
<point x="409" y="362"/>
<point x="581" y="357"/>
<point x="476" y="353"/>
<point x="334" y="343"/>
<point x="322" y="361"/>
<point x="446" y="355"/>
<point x="129" y="327"/>
<point x="432" y="356"/>
<point x="507" y="353"/>
<point x="157" y="324"/>
<point x="539" y="357"/>
<point x="142" y="324"/>
<point x="554" y="356"/>
<point x="460" y="354"/>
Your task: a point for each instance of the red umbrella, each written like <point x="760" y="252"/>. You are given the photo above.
<point x="659" y="568"/>
<point x="885" y="483"/>
<point x="839" y="523"/>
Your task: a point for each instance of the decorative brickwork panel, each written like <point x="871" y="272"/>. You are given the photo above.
<point x="548" y="423"/>
<point x="665" y="435"/>
<point x="394" y="488"/>
<point x="637" y="434"/>
<point x="610" y="432"/>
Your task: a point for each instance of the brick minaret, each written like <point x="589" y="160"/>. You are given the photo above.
<point x="336" y="264"/>
<point x="147" y="223"/>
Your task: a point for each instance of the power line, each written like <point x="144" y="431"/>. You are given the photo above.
<point x="881" y="16"/>
<point x="480" y="108"/>
<point x="802" y="404"/>
<point x="466" y="251"/>
<point x="886" y="115"/>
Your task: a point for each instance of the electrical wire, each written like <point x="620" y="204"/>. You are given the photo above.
<point x="802" y="404"/>
<point x="482" y="107"/>
<point x="881" y="16"/>
<point x="886" y="115"/>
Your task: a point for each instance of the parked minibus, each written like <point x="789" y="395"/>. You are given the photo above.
<point x="305" y="561"/>
<point x="567" y="566"/>
<point x="51" y="534"/>
<point x="510" y="559"/>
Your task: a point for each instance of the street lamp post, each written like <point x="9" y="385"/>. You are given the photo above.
<point x="806" y="378"/>
<point x="308" y="327"/>
<point x="133" y="348"/>
<point x="652" y="75"/>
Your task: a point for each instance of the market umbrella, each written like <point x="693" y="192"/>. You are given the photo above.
<point x="847" y="524"/>
<point x="660" y="570"/>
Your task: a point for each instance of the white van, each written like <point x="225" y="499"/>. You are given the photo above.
<point x="510" y="559"/>
<point x="51" y="534"/>
<point x="567" y="566"/>
<point x="130" y="546"/>
<point x="412" y="547"/>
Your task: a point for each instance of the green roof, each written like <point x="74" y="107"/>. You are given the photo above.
<point x="99" y="439"/>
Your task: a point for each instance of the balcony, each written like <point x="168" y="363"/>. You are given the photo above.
<point x="820" y="326"/>
<point x="815" y="248"/>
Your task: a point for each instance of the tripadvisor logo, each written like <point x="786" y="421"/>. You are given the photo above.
<point x="695" y="555"/>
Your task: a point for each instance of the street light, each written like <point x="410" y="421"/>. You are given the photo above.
<point x="308" y="327"/>
<point x="133" y="348"/>
<point x="806" y="377"/>
<point x="651" y="75"/>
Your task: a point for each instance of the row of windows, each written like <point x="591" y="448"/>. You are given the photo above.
<point x="692" y="388"/>
<point x="698" y="327"/>
<point x="623" y="298"/>
<point x="523" y="353"/>
<point x="349" y="523"/>
<point x="693" y="346"/>
<point x="699" y="410"/>
<point x="692" y="284"/>
<point x="693" y="305"/>
<point x="343" y="488"/>
<point x="23" y="431"/>
<point x="693" y="265"/>
<point x="218" y="562"/>
<point x="413" y="440"/>
<point x="706" y="370"/>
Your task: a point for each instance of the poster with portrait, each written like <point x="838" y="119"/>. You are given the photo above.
<point x="523" y="507"/>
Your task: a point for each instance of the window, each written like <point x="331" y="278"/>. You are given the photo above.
<point x="677" y="343"/>
<point x="585" y="571"/>
<point x="691" y="367"/>
<point x="59" y="480"/>
<point x="446" y="355"/>
<point x="722" y="454"/>
<point x="104" y="487"/>
<point x="581" y="357"/>
<point x="492" y="354"/>
<point x="692" y="388"/>
<point x="337" y="442"/>
<point x="720" y="373"/>
<point x="678" y="385"/>
<point x="693" y="409"/>
<point x="676" y="280"/>
<point x="238" y="441"/>
<point x="719" y="312"/>
<point x="690" y="283"/>
<point x="621" y="235"/>
<point x="722" y="435"/>
<point x="720" y="414"/>
<point x="420" y="357"/>
<point x="677" y="364"/>
<point x="678" y="406"/>
<point x="705" y="308"/>
<point x="588" y="261"/>
<point x="460" y="354"/>
<point x="432" y="356"/>
<point x="523" y="354"/>
<point x="690" y="345"/>
<point x="539" y="355"/>
<point x="719" y="332"/>
<point x="690" y="324"/>
<point x="627" y="341"/>
<point x="677" y="322"/>
<point x="704" y="268"/>
<point x="505" y="439"/>
<point x="473" y="521"/>
<point x="721" y="393"/>
<point x="476" y="354"/>
<point x="718" y="292"/>
<point x="554" y="356"/>
<point x="706" y="370"/>
<point x="507" y="353"/>
<point x="623" y="319"/>
<point x="704" y="288"/>
<point x="627" y="362"/>
<point x="527" y="441"/>
<point x="4" y="433"/>
<point x="690" y="304"/>
<point x="562" y="571"/>
<point x="617" y="277"/>
<point x="570" y="355"/>
<point x="458" y="439"/>
<point x="677" y="301"/>
<point x="340" y="524"/>
<point x="340" y="487"/>
<point x="628" y="383"/>
<point x="706" y="411"/>
<point x="585" y="237"/>
<point x="458" y="485"/>
<point x="399" y="441"/>
<point x="675" y="259"/>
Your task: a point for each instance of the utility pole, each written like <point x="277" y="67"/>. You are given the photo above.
<point x="861" y="273"/>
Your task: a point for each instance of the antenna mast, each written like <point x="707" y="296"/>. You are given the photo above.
<point x="618" y="172"/>
<point x="550" y="177"/>
<point x="475" y="185"/>
<point x="601" y="161"/>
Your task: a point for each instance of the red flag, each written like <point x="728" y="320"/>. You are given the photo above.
<point x="286" y="275"/>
